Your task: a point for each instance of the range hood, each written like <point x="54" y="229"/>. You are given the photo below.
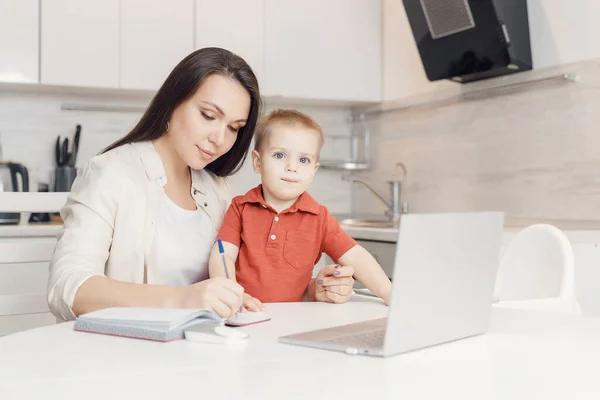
<point x="469" y="40"/>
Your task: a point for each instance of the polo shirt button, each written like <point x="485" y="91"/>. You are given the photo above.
<point x="273" y="237"/>
<point x="264" y="206"/>
<point x="205" y="204"/>
<point x="195" y="191"/>
<point x="276" y="219"/>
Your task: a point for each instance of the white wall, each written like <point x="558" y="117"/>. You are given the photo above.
<point x="563" y="31"/>
<point x="31" y="120"/>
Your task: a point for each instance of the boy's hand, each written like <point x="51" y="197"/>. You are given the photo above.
<point x="252" y="304"/>
<point x="334" y="284"/>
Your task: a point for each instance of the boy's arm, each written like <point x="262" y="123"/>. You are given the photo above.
<point x="368" y="271"/>
<point x="230" y="234"/>
<point x="344" y="250"/>
<point x="215" y="262"/>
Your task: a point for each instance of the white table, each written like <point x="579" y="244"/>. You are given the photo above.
<point x="526" y="355"/>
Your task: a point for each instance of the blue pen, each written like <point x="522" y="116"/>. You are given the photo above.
<point x="222" y="251"/>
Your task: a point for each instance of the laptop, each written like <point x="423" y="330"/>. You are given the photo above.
<point x="443" y="285"/>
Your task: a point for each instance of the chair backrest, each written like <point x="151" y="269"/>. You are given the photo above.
<point x="24" y="261"/>
<point x="538" y="263"/>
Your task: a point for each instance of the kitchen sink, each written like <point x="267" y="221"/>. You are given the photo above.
<point x="365" y="221"/>
<point x="369" y="228"/>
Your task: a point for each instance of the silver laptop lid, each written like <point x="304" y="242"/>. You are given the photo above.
<point x="443" y="281"/>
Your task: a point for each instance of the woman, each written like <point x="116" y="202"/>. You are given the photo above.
<point x="141" y="218"/>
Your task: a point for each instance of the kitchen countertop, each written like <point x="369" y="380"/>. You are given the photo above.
<point x="365" y="233"/>
<point x="30" y="230"/>
<point x="514" y="224"/>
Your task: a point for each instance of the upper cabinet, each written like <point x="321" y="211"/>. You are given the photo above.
<point x="80" y="42"/>
<point x="155" y="36"/>
<point x="299" y="49"/>
<point x="235" y="25"/>
<point x="19" y="40"/>
<point x="326" y="50"/>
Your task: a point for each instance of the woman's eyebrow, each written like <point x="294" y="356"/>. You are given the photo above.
<point x="220" y="110"/>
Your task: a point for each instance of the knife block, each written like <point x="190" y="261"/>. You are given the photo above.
<point x="64" y="176"/>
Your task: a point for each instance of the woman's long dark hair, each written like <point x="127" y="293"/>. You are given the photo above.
<point x="181" y="84"/>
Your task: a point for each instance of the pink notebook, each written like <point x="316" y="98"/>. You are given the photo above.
<point x="248" y="318"/>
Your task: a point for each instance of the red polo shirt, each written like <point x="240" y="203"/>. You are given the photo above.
<point x="278" y="251"/>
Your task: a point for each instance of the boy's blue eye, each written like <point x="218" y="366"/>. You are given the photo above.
<point x="304" y="160"/>
<point x="279" y="155"/>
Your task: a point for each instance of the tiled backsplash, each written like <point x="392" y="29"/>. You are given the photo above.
<point x="31" y="120"/>
<point x="532" y="153"/>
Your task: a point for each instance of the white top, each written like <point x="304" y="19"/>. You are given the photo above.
<point x="184" y="239"/>
<point x="110" y="221"/>
<point x="526" y="355"/>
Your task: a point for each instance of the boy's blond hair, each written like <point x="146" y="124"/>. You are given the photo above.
<point x="285" y="117"/>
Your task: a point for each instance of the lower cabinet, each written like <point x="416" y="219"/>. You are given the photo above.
<point x="23" y="278"/>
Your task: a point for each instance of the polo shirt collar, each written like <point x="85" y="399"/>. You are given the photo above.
<point x="304" y="203"/>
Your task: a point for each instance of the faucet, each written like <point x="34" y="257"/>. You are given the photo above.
<point x="396" y="208"/>
<point x="404" y="185"/>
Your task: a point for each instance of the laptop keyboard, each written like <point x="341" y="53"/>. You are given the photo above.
<point x="363" y="340"/>
<point x="367" y="334"/>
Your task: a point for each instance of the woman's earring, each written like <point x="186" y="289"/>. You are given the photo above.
<point x="167" y="130"/>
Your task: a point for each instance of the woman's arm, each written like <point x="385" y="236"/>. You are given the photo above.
<point x="100" y="292"/>
<point x="77" y="283"/>
<point x="223" y="296"/>
<point x="83" y="246"/>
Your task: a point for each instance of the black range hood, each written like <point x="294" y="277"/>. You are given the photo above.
<point x="469" y="40"/>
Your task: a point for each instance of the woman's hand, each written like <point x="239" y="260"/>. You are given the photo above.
<point x="221" y="295"/>
<point x="334" y="284"/>
<point x="252" y="303"/>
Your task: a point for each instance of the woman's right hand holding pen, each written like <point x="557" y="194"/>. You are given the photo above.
<point x="252" y="303"/>
<point x="221" y="295"/>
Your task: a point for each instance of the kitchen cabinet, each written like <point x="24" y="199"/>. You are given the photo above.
<point x="80" y="43"/>
<point x="155" y="36"/>
<point x="300" y="50"/>
<point x="22" y="293"/>
<point x="383" y="252"/>
<point x="235" y="25"/>
<point x="19" y="40"/>
<point x="23" y="277"/>
<point x="323" y="50"/>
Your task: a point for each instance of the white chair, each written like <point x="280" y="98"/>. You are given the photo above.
<point x="537" y="271"/>
<point x="25" y="253"/>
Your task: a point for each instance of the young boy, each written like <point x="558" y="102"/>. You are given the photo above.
<point x="274" y="235"/>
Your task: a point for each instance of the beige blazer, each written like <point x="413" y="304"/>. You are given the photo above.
<point x="109" y="221"/>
